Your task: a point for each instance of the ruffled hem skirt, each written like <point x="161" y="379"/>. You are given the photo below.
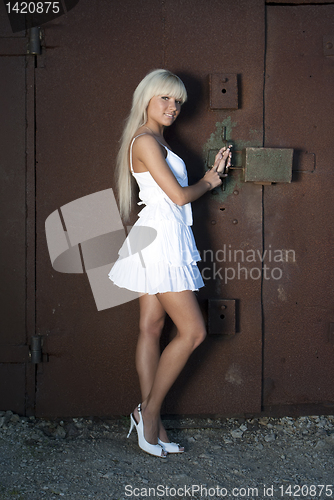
<point x="158" y="256"/>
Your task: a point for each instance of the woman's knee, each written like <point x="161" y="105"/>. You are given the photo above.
<point x="151" y="328"/>
<point x="193" y="336"/>
<point x="199" y="337"/>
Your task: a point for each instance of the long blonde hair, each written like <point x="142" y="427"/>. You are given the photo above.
<point x="157" y="82"/>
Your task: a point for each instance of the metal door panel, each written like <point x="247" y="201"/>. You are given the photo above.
<point x="224" y="375"/>
<point x="12" y="135"/>
<point x="13" y="351"/>
<point x="84" y="84"/>
<point x="93" y="60"/>
<point x="298" y="309"/>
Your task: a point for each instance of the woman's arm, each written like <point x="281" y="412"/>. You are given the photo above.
<point x="149" y="153"/>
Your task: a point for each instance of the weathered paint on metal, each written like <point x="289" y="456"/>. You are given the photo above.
<point x="267" y="164"/>
<point x="235" y="180"/>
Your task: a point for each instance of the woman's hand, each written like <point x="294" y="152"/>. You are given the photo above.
<point x="223" y="161"/>
<point x="212" y="177"/>
<point x="218" y="171"/>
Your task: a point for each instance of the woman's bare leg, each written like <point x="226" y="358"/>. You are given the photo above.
<point x="183" y="309"/>
<point x="152" y="318"/>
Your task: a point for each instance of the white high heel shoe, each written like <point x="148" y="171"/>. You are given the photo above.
<point x="153" y="449"/>
<point x="171" y="447"/>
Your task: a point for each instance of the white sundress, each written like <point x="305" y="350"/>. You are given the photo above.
<point x="160" y="254"/>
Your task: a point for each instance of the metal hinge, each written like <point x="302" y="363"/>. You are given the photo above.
<point x="34" y="41"/>
<point x="36" y="355"/>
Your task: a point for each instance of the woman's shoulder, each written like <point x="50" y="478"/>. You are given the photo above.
<point x="143" y="140"/>
<point x="142" y="137"/>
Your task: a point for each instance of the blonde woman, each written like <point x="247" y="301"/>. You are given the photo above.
<point x="164" y="273"/>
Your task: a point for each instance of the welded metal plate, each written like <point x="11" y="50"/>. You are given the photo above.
<point x="223" y="91"/>
<point x="221" y="317"/>
<point x="268" y="164"/>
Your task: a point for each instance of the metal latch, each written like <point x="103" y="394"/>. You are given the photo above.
<point x="259" y="165"/>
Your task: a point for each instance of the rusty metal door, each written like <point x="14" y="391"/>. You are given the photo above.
<point x="92" y="60"/>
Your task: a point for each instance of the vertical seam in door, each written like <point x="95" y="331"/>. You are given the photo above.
<point x="262" y="312"/>
<point x="30" y="227"/>
<point x="262" y="201"/>
<point x="35" y="214"/>
<point x="163" y="22"/>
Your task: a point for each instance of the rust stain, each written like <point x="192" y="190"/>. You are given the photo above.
<point x="282" y="293"/>
<point x="233" y="375"/>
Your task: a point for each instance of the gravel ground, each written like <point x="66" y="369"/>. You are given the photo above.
<point x="91" y="459"/>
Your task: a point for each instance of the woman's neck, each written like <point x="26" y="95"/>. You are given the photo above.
<point x="157" y="131"/>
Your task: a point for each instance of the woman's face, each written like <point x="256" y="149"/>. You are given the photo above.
<point x="163" y="110"/>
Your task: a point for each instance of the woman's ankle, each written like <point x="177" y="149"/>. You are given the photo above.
<point x="149" y="408"/>
<point x="162" y="433"/>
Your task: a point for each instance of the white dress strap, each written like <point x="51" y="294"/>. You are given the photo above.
<point x="133" y="140"/>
